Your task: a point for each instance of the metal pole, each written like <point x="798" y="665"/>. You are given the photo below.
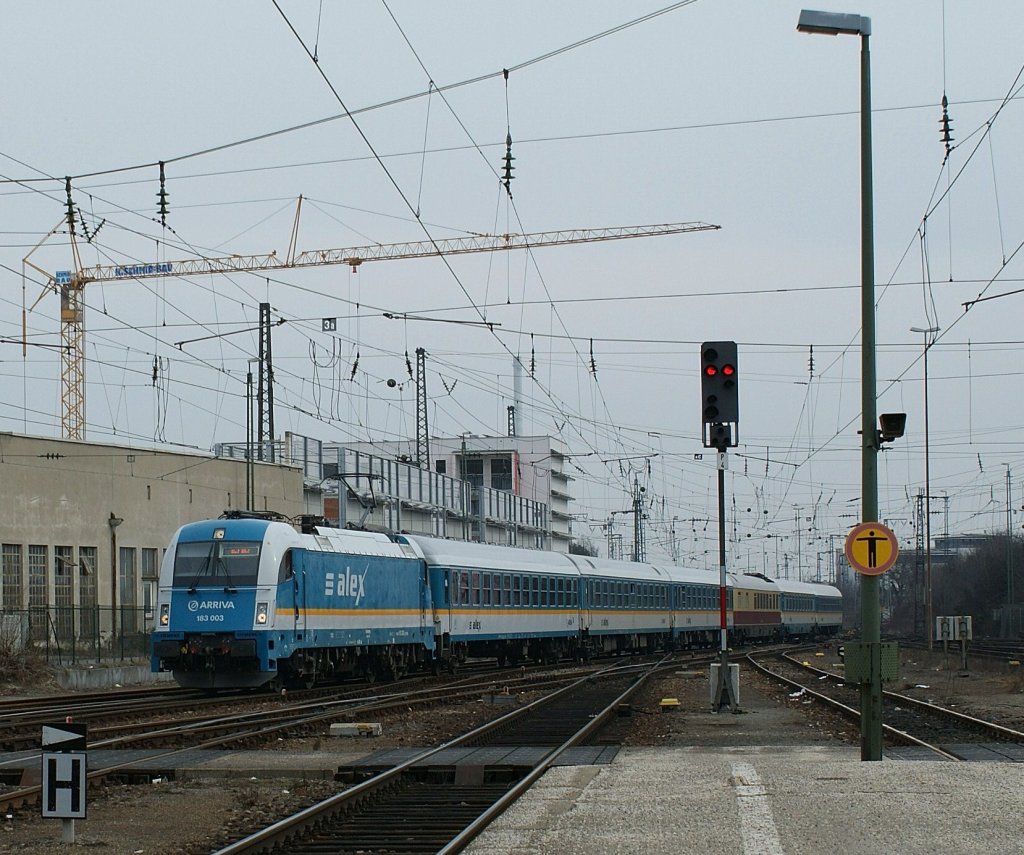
<point x="723" y="686"/>
<point x="871" y="614"/>
<point x="929" y="610"/>
<point x="1009" y="555"/>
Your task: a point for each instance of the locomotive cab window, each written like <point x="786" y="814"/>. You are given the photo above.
<point x="216" y="563"/>
<point x="285" y="571"/>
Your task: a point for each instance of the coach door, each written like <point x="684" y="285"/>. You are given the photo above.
<point x="425" y="597"/>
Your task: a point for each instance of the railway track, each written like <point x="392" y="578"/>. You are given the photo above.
<point x="275" y="719"/>
<point x="416" y="807"/>
<point x="939" y="730"/>
<point x="124" y="711"/>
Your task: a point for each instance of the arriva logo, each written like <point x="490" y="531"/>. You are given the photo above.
<point x="348" y="585"/>
<point x="196" y="605"/>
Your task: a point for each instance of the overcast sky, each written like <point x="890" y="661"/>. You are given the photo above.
<point x="713" y="112"/>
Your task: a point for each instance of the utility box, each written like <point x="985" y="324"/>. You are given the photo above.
<point x="734" y="681"/>
<point x="864" y="660"/>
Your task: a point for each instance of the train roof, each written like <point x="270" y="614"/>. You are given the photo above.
<point x="817" y="589"/>
<point x="754" y="582"/>
<point x="611" y="569"/>
<point x="481" y="556"/>
<point x="354" y="542"/>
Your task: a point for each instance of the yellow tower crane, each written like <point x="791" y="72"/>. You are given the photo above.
<point x="70" y="285"/>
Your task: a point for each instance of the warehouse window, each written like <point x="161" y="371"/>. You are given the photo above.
<point x="127" y="581"/>
<point x="12" y="584"/>
<point x="38" y="589"/>
<point x="150" y="568"/>
<point x="37" y="582"/>
<point x="89" y="624"/>
<point x="64" y="590"/>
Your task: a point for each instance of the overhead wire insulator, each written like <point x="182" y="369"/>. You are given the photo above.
<point x="946" y="129"/>
<point x="507" y="176"/>
<point x="70" y="205"/>
<point x="161" y="196"/>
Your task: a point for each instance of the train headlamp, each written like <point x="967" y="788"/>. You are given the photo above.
<point x="165" y="614"/>
<point x="261" y="613"/>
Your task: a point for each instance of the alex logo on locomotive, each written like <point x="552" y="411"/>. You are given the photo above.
<point x="348" y="585"/>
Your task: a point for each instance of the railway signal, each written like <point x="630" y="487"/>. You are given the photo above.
<point x="720" y="394"/>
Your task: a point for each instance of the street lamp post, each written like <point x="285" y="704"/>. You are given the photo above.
<point x="929" y="619"/>
<point x="832" y="24"/>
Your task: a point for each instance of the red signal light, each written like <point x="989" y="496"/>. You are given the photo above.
<point x="729" y="370"/>
<point x="710" y="370"/>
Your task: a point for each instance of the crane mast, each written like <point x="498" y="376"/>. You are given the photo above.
<point x="71" y="284"/>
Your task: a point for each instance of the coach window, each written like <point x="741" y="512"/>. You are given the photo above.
<point x="476" y="588"/>
<point x="516" y="582"/>
<point x="496" y="583"/>
<point x="572" y="593"/>
<point x="464" y="588"/>
<point x="507" y="600"/>
<point x="561" y="593"/>
<point x="487" y="589"/>
<point x="535" y="598"/>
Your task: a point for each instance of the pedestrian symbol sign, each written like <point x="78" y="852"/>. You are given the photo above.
<point x="871" y="548"/>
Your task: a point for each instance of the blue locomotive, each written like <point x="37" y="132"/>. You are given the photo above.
<point x="246" y="602"/>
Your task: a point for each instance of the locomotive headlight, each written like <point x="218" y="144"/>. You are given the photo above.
<point x="165" y="614"/>
<point x="261" y="613"/>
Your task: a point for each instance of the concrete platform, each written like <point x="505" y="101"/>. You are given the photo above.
<point x="756" y="801"/>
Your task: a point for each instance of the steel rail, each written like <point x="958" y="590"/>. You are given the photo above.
<point x="980" y="723"/>
<point x="848" y="711"/>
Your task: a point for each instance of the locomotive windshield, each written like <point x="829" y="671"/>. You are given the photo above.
<point x="216" y="563"/>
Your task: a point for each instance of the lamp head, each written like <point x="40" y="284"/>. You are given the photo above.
<point x="892" y="426"/>
<point x="833" y="23"/>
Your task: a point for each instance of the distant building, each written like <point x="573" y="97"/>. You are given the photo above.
<point x="492" y="489"/>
